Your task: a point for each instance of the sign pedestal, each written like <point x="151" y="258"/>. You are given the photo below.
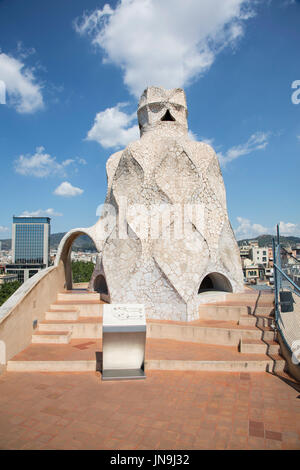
<point x="124" y="340"/>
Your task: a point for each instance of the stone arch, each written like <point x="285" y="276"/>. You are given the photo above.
<point x="64" y="252"/>
<point x="215" y="282"/>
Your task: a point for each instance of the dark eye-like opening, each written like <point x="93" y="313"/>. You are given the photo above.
<point x="167" y="116"/>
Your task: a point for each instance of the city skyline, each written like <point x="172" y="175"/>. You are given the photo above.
<point x="71" y="101"/>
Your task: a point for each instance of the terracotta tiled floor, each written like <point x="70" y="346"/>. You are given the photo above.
<point x="168" y="410"/>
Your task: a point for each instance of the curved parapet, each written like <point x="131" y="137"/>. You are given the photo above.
<point x="25" y="308"/>
<point x="289" y="334"/>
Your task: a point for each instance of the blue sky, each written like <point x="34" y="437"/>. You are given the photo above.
<point x="73" y="72"/>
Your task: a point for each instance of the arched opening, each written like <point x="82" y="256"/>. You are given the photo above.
<point x="215" y="282"/>
<point x="83" y="259"/>
<point x="78" y="252"/>
<point x="167" y="116"/>
<point x="101" y="287"/>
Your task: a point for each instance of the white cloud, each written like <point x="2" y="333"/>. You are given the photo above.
<point x="3" y="229"/>
<point x="67" y="190"/>
<point x="41" y="164"/>
<point x="164" y="43"/>
<point x="192" y="135"/>
<point x="114" y="128"/>
<point x="288" y="228"/>
<point x="287" y="3"/>
<point x="41" y="213"/>
<point x="246" y="229"/>
<point x="207" y="141"/>
<point x="23" y="91"/>
<point x="257" y="141"/>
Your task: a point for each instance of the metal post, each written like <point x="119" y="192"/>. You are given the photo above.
<point x="275" y="280"/>
<point x="278" y="261"/>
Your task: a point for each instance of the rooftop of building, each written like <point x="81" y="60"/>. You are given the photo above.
<point x="168" y="410"/>
<point x="31" y="220"/>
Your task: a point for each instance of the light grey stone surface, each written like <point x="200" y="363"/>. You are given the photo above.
<point x="165" y="171"/>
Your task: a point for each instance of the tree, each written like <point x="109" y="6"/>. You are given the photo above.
<point x="82" y="272"/>
<point x="7" y="289"/>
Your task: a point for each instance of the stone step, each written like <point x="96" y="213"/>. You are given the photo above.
<point x="264" y="310"/>
<point x="85" y="308"/>
<point x="49" y="337"/>
<point x="95" y="310"/>
<point x="279" y="364"/>
<point x="244" y="297"/>
<point x="273" y="347"/>
<point x="268" y="334"/>
<point x="220" y="366"/>
<point x="77" y="296"/>
<point x="51" y="366"/>
<point x="206" y="334"/>
<point x="85" y="355"/>
<point x="150" y="364"/>
<point x="62" y="315"/>
<point x="264" y="321"/>
<point x="252" y="346"/>
<point x="62" y="307"/>
<point x="247" y="320"/>
<point x="88" y="327"/>
<point x="222" y="312"/>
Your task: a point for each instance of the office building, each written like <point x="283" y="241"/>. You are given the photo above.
<point x="30" y="246"/>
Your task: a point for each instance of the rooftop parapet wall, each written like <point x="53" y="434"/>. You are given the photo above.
<point x="289" y="337"/>
<point x="28" y="303"/>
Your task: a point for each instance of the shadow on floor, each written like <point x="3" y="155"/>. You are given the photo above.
<point x="289" y="381"/>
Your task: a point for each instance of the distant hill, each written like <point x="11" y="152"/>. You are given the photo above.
<point x="83" y="243"/>
<point x="265" y="240"/>
<point x="6" y="244"/>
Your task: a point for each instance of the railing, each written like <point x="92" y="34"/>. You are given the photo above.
<point x="290" y="266"/>
<point x="287" y="299"/>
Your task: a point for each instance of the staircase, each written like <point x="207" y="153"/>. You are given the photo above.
<point x="75" y="314"/>
<point x="235" y="335"/>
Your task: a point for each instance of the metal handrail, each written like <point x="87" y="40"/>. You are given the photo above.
<point x="288" y="279"/>
<point x="278" y="274"/>
<point x="289" y="254"/>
